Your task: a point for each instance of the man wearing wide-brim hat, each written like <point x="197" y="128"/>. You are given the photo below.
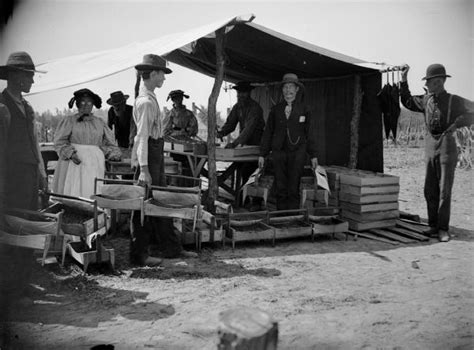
<point x="22" y="171"/>
<point x="180" y="121"/>
<point x="120" y="119"/>
<point x="248" y="114"/>
<point x="147" y="155"/>
<point x="444" y="113"/>
<point x="289" y="137"/>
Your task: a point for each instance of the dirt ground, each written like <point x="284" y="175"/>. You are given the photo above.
<point x="330" y="294"/>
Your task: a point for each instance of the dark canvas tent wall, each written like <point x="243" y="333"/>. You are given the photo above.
<point x="260" y="55"/>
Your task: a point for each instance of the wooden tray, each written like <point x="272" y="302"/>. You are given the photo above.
<point x="329" y="226"/>
<point x="252" y="232"/>
<point x="85" y="224"/>
<point x="90" y="256"/>
<point x="238" y="151"/>
<point x="290" y="228"/>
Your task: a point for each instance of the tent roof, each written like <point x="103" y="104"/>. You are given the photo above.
<point x="253" y="52"/>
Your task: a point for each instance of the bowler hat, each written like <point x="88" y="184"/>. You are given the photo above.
<point x="18" y="61"/>
<point x="435" y="70"/>
<point x="153" y="62"/>
<point x="175" y="93"/>
<point x="97" y="101"/>
<point x="243" y="86"/>
<point x="291" y="78"/>
<point x="117" y="98"/>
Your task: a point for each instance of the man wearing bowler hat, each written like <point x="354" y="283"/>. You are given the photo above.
<point x="289" y="137"/>
<point x="120" y="119"/>
<point x="148" y="156"/>
<point x="444" y="113"/>
<point x="22" y="171"/>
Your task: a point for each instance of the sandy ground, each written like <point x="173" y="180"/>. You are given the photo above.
<point x="330" y="294"/>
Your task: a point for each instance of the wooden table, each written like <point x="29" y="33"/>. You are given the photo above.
<point x="197" y="162"/>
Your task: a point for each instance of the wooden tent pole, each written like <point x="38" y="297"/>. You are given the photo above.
<point x="354" y="152"/>
<point x="211" y="120"/>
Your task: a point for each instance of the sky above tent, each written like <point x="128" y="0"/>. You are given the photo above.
<point x="415" y="32"/>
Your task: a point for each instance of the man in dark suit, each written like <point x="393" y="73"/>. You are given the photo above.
<point x="288" y="135"/>
<point x="120" y="119"/>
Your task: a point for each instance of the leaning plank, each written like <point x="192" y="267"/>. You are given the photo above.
<point x="416" y="223"/>
<point x="408" y="226"/>
<point x="371" y="236"/>
<point x="408" y="233"/>
<point x="392" y="236"/>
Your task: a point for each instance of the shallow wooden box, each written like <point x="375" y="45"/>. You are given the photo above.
<point x="180" y="147"/>
<point x="239" y="151"/>
<point x="86" y="257"/>
<point x="329" y="225"/>
<point x="85" y="226"/>
<point x="255" y="231"/>
<point x="290" y="227"/>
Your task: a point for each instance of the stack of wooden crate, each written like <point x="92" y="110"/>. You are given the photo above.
<point x="367" y="199"/>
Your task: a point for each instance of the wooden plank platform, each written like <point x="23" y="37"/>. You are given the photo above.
<point x="410" y="227"/>
<point x="408" y="233"/>
<point x="392" y="236"/>
<point x="372" y="237"/>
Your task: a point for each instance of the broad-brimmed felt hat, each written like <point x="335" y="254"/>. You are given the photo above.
<point x="243" y="86"/>
<point x="18" y="61"/>
<point x="117" y="97"/>
<point x="96" y="100"/>
<point x="435" y="70"/>
<point x="175" y="93"/>
<point x="291" y="78"/>
<point x="153" y="62"/>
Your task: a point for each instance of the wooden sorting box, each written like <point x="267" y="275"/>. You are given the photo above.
<point x="239" y="151"/>
<point x="367" y="199"/>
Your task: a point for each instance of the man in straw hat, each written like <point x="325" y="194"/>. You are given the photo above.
<point x="148" y="155"/>
<point x="120" y="119"/>
<point x="444" y="113"/>
<point x="22" y="171"/>
<point x="289" y="137"/>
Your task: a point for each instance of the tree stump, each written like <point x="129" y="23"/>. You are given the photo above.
<point x="247" y="328"/>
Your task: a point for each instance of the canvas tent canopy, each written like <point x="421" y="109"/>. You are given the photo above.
<point x="260" y="55"/>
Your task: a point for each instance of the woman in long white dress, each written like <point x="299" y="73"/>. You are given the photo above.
<point x="83" y="142"/>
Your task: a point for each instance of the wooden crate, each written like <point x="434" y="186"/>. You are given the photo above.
<point x="363" y="226"/>
<point x="371" y="216"/>
<point x="252" y="232"/>
<point x="356" y="177"/>
<point x="368" y="207"/>
<point x="180" y="147"/>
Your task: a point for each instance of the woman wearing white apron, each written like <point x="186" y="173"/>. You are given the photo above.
<point x="82" y="142"/>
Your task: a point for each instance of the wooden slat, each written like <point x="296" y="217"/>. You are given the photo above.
<point x="369" y="217"/>
<point x="365" y="208"/>
<point x="362" y="226"/>
<point x="364" y="190"/>
<point x="377" y="198"/>
<point x="410" y="227"/>
<point x="372" y="237"/>
<point x="391" y="235"/>
<point x="408" y="233"/>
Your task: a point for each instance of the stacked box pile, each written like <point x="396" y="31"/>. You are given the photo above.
<point x="367" y="199"/>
